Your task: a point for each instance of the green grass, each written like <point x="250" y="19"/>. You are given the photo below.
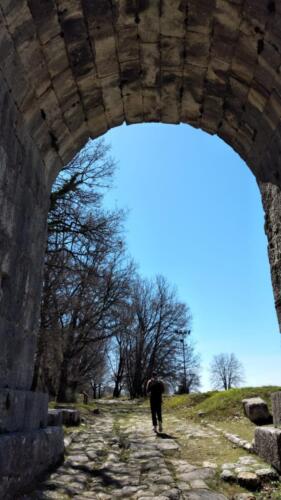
<point x="225" y="410"/>
<point x="242" y="427"/>
<point x="217" y="405"/>
<point x="185" y="401"/>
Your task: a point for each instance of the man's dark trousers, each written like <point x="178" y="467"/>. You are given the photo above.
<point x="156" y="410"/>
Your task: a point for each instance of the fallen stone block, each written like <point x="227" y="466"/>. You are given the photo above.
<point x="267" y="475"/>
<point x="54" y="418"/>
<point x="257" y="411"/>
<point x="268" y="445"/>
<point x="248" y="480"/>
<point x="228" y="476"/>
<point x="248" y="473"/>
<point x="276" y="408"/>
<point x="70" y="417"/>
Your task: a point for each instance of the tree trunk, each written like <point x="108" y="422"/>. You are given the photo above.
<point x="94" y="386"/>
<point x="63" y="383"/>
<point x="119" y="378"/>
<point x="117" y="388"/>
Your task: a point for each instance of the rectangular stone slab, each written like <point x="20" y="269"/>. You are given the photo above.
<point x="70" y="417"/>
<point x="276" y="407"/>
<point x="268" y="445"/>
<point x="25" y="456"/>
<point x="22" y="410"/>
<point x="257" y="411"/>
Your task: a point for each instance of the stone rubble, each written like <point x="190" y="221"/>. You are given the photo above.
<point x="249" y="473"/>
<point x="233" y="438"/>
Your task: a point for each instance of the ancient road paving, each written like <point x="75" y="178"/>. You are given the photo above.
<point x="116" y="455"/>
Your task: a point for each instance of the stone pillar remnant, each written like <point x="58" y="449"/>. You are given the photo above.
<point x="27" y="446"/>
<point x="268" y="445"/>
<point x="271" y="199"/>
<point x="276" y="408"/>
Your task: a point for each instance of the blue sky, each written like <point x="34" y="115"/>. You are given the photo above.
<point x="195" y="216"/>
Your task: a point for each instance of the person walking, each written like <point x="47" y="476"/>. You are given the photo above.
<point x="155" y="388"/>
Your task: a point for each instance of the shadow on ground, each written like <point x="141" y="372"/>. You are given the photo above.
<point x="163" y="435"/>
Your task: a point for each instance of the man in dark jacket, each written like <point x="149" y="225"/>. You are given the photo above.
<point x="155" y="389"/>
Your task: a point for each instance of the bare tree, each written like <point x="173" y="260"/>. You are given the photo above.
<point x="86" y="317"/>
<point x="117" y="353"/>
<point x="226" y="371"/>
<point x="85" y="273"/>
<point x="147" y="339"/>
<point x="91" y="369"/>
<point x="95" y="309"/>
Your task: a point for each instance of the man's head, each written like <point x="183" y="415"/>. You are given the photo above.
<point x="154" y="374"/>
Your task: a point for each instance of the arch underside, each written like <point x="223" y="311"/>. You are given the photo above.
<point x="76" y="68"/>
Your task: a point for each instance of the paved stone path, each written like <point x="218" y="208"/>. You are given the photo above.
<point x="116" y="455"/>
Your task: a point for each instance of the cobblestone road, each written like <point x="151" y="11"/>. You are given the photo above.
<point x="116" y="455"/>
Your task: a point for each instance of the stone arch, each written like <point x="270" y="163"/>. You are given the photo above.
<point x="73" y="69"/>
<point x="77" y="68"/>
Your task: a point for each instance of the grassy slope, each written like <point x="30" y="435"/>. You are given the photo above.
<point x="225" y="409"/>
<point x="217" y="405"/>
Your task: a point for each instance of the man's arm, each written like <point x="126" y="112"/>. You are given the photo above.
<point x="148" y="387"/>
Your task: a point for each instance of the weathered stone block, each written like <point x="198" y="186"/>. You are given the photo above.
<point x="172" y="19"/>
<point x="70" y="417"/>
<point x="22" y="410"/>
<point x="276" y="407"/>
<point x="55" y="418"/>
<point x="248" y="480"/>
<point x="268" y="445"/>
<point x="257" y="411"/>
<point x="25" y="456"/>
<point x="271" y="199"/>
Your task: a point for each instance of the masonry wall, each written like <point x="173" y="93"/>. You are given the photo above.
<point x="24" y="202"/>
<point x="28" y="447"/>
<point x="271" y="198"/>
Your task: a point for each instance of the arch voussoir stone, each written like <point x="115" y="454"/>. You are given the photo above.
<point x="73" y="69"/>
<point x="271" y="197"/>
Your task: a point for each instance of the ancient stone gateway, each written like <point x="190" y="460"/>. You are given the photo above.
<point x="72" y="69"/>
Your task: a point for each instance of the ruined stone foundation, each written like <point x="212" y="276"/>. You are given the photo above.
<point x="28" y="448"/>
